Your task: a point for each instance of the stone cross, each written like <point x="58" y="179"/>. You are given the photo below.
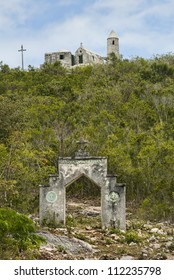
<point x="22" y="50"/>
<point x="81" y="152"/>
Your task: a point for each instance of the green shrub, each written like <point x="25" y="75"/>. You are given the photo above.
<point x="156" y="210"/>
<point x="17" y="235"/>
<point x="115" y="231"/>
<point x="132" y="236"/>
<point x="70" y="221"/>
<point x="171" y="247"/>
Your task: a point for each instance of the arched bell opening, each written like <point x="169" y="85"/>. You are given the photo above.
<point x="83" y="203"/>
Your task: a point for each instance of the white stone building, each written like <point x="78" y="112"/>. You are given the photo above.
<point x="83" y="56"/>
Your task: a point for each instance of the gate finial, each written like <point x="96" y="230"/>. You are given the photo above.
<point x="81" y="151"/>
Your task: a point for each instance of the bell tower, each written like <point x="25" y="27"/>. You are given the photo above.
<point x="113" y="44"/>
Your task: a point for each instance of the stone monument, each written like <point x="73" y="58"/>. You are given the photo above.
<point x="53" y="197"/>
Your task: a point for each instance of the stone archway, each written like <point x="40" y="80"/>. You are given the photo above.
<point x="53" y="197"/>
<point x="83" y="203"/>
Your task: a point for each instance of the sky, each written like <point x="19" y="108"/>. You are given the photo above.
<point x="145" y="27"/>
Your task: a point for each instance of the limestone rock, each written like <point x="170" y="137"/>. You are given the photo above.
<point x="168" y="244"/>
<point x="156" y="246"/>
<point x="152" y="238"/>
<point x="127" y="258"/>
<point x="71" y="245"/>
<point x="154" y="230"/>
<point x="133" y="244"/>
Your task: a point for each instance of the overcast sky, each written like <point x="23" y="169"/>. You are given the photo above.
<point x="144" y="27"/>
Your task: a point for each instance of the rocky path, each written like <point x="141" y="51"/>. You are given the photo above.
<point x="83" y="238"/>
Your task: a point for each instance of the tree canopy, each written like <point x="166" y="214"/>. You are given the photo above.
<point x="124" y="108"/>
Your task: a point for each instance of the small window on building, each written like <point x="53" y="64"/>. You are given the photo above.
<point x="113" y="42"/>
<point x="61" y="56"/>
<point x="93" y="58"/>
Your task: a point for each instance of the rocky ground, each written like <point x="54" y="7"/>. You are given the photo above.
<point x="83" y="238"/>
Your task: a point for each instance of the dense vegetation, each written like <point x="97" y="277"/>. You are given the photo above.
<point x="18" y="238"/>
<point x="125" y="109"/>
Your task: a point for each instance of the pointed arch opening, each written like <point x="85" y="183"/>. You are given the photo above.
<point x="83" y="202"/>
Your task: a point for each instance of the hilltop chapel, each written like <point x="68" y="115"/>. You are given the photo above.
<point x="83" y="56"/>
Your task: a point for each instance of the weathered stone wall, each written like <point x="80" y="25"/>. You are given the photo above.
<point x="83" y="56"/>
<point x="65" y="57"/>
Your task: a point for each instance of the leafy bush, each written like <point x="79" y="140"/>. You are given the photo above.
<point x="17" y="235"/>
<point x="156" y="210"/>
<point x="132" y="236"/>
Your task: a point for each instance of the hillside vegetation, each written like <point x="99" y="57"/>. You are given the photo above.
<point x="125" y="109"/>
